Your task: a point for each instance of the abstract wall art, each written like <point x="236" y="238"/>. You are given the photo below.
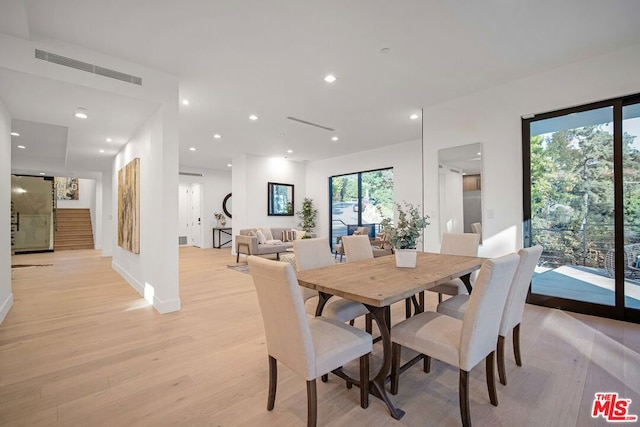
<point x="129" y="206"/>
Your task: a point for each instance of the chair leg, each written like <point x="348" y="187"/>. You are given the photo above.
<point x="491" y="380"/>
<point x="426" y="363"/>
<point x="312" y="404"/>
<point x="325" y="378"/>
<point x="396" y="350"/>
<point x="237" y="257"/>
<point x="516" y="344"/>
<point x="439" y="298"/>
<point x="364" y="381"/>
<point x="463" y="394"/>
<point x="351" y="322"/>
<point x="501" y="365"/>
<point x="273" y="383"/>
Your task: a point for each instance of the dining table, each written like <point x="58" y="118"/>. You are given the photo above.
<point x="378" y="283"/>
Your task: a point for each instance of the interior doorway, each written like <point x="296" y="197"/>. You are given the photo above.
<point x="190" y="214"/>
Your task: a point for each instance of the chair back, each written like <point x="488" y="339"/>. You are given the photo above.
<point x="514" y="307"/>
<point x="483" y="314"/>
<point x="363" y="231"/>
<point x="357" y="248"/>
<point x="460" y="244"/>
<point x="310" y="254"/>
<point x="285" y="320"/>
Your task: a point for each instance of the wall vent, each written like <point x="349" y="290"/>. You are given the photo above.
<point x="182" y="240"/>
<point x="85" y="66"/>
<point x="310" y="124"/>
<point x="190" y="174"/>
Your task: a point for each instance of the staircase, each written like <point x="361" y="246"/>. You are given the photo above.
<point x="73" y="230"/>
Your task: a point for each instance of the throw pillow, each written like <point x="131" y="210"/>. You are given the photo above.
<point x="288" y="236"/>
<point x="267" y="232"/>
<point x="261" y="237"/>
<point x="300" y="234"/>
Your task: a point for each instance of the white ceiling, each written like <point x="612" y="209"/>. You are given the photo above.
<point x="235" y="58"/>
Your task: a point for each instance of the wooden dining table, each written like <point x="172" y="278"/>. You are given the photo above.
<point x="377" y="283"/>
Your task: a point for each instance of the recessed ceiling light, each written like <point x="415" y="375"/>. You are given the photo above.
<point x="253" y="117"/>
<point x="192" y="148"/>
<point x="22" y="147"/>
<point x="185" y="102"/>
<point x="228" y="165"/>
<point x="330" y="78"/>
<point x="414" y="116"/>
<point x="42" y="173"/>
<point x="102" y="151"/>
<point x="81" y="113"/>
<point x="479" y="154"/>
<point x="385" y="50"/>
<point x="335" y="138"/>
<point x="15" y="134"/>
<point x="217" y="136"/>
<point x="109" y="140"/>
<point x="289" y="151"/>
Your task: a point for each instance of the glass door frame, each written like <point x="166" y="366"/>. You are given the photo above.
<point x="372" y="232"/>
<point x="618" y="311"/>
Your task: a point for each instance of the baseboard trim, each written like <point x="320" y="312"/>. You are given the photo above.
<point x="164" y="307"/>
<point x="6" y="306"/>
<point x="139" y="287"/>
<point x="161" y="306"/>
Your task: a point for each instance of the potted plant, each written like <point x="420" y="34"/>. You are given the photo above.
<point x="405" y="234"/>
<point x="307" y="215"/>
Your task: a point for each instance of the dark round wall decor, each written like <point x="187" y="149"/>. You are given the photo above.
<point x="226" y="205"/>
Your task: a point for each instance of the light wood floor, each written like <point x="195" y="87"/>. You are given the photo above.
<point x="81" y="348"/>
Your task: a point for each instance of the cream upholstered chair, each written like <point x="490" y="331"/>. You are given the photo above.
<point x="462" y="343"/>
<point x="476" y="227"/>
<point x="513" y="309"/>
<point x="357" y="247"/>
<point x="456" y="244"/>
<point x="316" y="253"/>
<point x="311" y="347"/>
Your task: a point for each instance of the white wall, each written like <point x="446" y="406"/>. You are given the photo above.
<point x="6" y="297"/>
<point x="407" y="174"/>
<point x="153" y="272"/>
<point x="215" y="186"/>
<point x="250" y="176"/>
<point x="493" y="117"/>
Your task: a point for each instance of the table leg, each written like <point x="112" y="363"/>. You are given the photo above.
<point x="376" y="384"/>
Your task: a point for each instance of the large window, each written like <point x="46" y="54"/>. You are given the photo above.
<point x="582" y="203"/>
<point x="360" y="199"/>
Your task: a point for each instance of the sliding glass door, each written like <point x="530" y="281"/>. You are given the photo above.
<point x="582" y="204"/>
<point x="360" y="199"/>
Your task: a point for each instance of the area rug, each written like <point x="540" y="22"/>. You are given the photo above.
<point x="13" y="266"/>
<point x="242" y="268"/>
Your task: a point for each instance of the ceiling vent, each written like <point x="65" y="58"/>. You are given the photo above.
<point x="85" y="66"/>
<point x="190" y="174"/>
<point x="310" y="124"/>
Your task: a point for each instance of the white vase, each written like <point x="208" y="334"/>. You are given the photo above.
<point x="406" y="258"/>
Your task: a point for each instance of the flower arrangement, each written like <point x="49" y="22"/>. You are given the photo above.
<point x="221" y="218"/>
<point x="406" y="233"/>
